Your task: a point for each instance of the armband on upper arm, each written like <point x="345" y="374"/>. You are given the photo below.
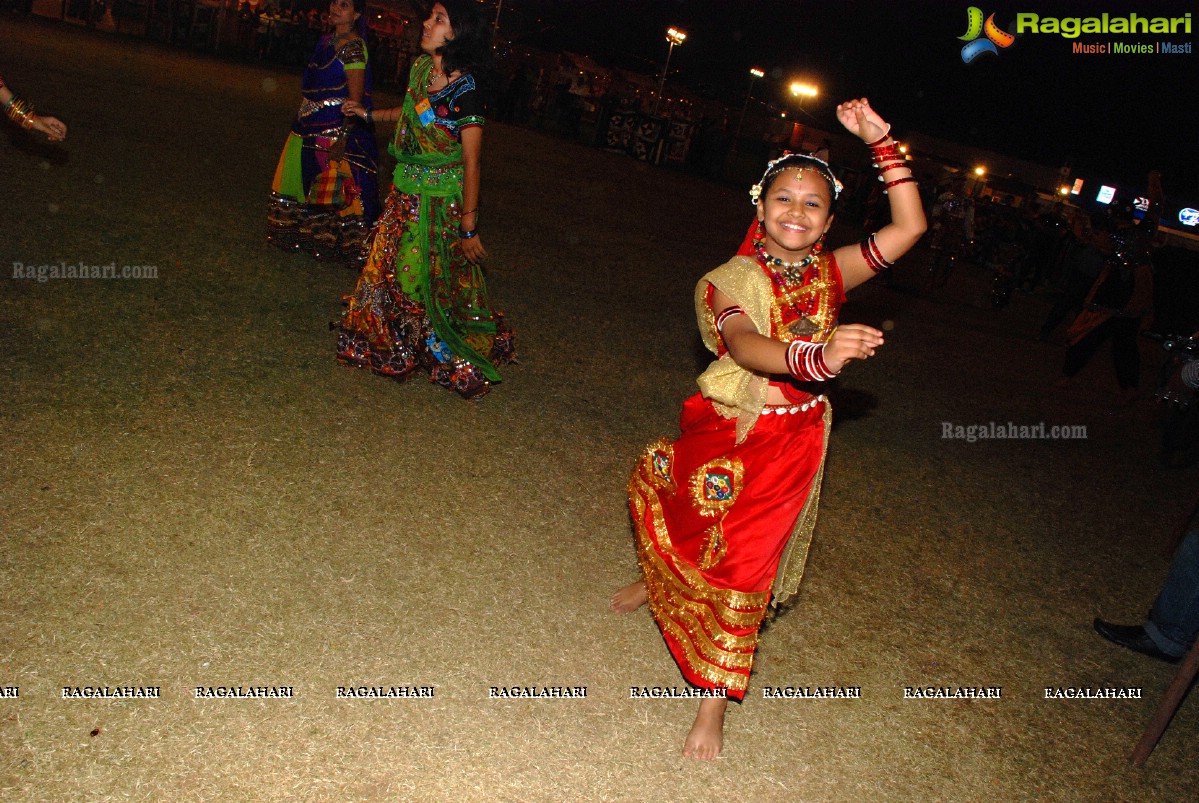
<point x="873" y="256"/>
<point x="724" y="315"/>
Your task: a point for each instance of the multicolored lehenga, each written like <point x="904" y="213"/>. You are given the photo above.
<point x="419" y="302"/>
<point x="724" y="514"/>
<point x="315" y="207"/>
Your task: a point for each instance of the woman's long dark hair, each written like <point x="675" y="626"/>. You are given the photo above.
<point x="360" y="27"/>
<point x="470" y="49"/>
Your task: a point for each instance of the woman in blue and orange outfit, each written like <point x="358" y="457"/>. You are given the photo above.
<point x="326" y="208"/>
<point x="422" y="301"/>
<point x="724" y="514"/>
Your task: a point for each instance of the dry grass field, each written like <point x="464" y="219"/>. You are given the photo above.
<point x="195" y="494"/>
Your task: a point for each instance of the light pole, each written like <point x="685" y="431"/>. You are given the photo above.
<point x="674" y="37"/>
<point x="800" y="91"/>
<point x="980" y="178"/>
<point x="754" y="74"/>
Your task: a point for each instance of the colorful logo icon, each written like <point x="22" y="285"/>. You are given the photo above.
<point x="994" y="38"/>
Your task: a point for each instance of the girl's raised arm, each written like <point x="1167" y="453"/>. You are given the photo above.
<point x="879" y="250"/>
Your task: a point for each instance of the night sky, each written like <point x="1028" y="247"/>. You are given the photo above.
<point x="1111" y="115"/>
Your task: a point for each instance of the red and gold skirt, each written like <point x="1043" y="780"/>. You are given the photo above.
<point x="712" y="519"/>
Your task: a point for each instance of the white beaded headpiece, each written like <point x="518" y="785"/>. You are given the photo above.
<point x="777" y="165"/>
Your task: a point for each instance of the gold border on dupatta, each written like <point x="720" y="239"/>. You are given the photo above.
<point x="795" y="554"/>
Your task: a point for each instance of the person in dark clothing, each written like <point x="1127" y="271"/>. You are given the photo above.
<point x="1120" y="301"/>
<point x="1081" y="265"/>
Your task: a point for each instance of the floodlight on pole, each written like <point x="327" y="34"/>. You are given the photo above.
<point x="754" y="75"/>
<point x="803" y="90"/>
<point x="675" y="37"/>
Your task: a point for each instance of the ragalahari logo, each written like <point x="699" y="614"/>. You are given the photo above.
<point x="976" y="28"/>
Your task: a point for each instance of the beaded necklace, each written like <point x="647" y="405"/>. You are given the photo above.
<point x="792" y="272"/>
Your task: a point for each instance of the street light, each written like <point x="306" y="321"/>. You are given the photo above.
<point x="675" y="37"/>
<point x="980" y="173"/>
<point x="802" y="91"/>
<point x="754" y="74"/>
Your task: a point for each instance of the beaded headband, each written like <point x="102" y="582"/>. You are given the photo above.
<point x="777" y="166"/>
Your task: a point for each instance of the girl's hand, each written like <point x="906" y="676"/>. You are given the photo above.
<point x="52" y="127"/>
<point x="473" y="249"/>
<point x="352" y="108"/>
<point x="853" y="341"/>
<point x="860" y="119"/>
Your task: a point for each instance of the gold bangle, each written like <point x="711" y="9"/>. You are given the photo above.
<point x="15" y="109"/>
<point x="21" y="113"/>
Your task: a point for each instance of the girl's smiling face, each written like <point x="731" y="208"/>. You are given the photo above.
<point x="795" y="212"/>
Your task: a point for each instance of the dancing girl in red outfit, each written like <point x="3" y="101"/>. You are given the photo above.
<point x="724" y="514"/>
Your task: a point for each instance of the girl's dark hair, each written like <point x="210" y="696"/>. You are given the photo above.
<point x="470" y="49"/>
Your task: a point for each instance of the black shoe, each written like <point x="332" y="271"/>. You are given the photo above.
<point x="1133" y="637"/>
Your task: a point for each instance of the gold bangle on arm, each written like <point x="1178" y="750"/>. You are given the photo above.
<point x="20" y="112"/>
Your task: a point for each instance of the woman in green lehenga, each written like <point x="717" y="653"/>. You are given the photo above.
<point x="422" y="300"/>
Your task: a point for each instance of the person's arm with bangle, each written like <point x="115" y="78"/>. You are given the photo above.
<point x="21" y="112"/>
<point x="353" y="108"/>
<point x="468" y="226"/>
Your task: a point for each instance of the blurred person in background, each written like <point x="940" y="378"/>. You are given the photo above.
<point x="325" y="197"/>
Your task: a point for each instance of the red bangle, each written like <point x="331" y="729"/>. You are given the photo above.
<point x="878" y="254"/>
<point x="873" y="256"/>
<point x="880" y="140"/>
<point x="724" y="315"/>
<point x="805" y="361"/>
<point x="891" y="184"/>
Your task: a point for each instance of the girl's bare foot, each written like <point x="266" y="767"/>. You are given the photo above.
<point x="629" y="598"/>
<point x="706" y="738"/>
